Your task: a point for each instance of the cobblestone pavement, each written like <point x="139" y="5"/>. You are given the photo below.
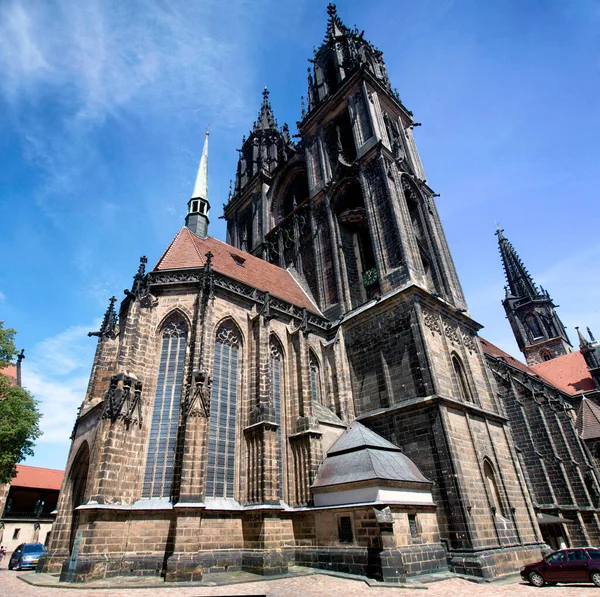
<point x="317" y="585"/>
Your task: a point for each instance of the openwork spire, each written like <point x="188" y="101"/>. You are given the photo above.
<point x="335" y="27"/>
<point x="521" y="284"/>
<point x="265" y="120"/>
<point x="201" y="185"/>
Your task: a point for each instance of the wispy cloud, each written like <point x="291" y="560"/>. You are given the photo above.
<point x="56" y="371"/>
<point x="69" y="68"/>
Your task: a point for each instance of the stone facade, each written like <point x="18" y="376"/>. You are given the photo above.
<point x="231" y="370"/>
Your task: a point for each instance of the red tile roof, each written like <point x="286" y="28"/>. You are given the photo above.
<point x="188" y="251"/>
<point x="588" y="419"/>
<point x="494" y="351"/>
<point x="568" y="373"/>
<point x="38" y="478"/>
<point x="11" y="371"/>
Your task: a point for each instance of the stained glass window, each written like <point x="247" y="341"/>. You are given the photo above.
<point x="221" y="435"/>
<point x="165" y="416"/>
<point x="276" y="400"/>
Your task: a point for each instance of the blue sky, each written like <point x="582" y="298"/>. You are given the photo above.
<point x="103" y="106"/>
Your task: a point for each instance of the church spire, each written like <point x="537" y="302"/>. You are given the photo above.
<point x="198" y="206"/>
<point x="521" y="284"/>
<point x="538" y="330"/>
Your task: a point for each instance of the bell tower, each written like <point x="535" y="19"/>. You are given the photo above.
<point x="369" y="196"/>
<point x="539" y="332"/>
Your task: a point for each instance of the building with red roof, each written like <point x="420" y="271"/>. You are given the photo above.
<point x="28" y="505"/>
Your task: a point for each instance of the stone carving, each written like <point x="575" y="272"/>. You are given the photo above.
<point x="197" y="403"/>
<point x="109" y="326"/>
<point x="451" y="332"/>
<point x="123" y="400"/>
<point x="469" y="340"/>
<point x="431" y="320"/>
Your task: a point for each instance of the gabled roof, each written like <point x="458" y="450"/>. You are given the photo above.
<point x="189" y="251"/>
<point x="568" y="373"/>
<point x="38" y="478"/>
<point x="493" y="351"/>
<point x="588" y="419"/>
<point x="362" y="455"/>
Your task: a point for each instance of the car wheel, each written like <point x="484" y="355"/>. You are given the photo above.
<point x="595" y="578"/>
<point x="536" y="579"/>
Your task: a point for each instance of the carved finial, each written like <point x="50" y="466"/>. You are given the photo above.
<point x="590" y="334"/>
<point x="109" y="323"/>
<point x="142" y="268"/>
<point x="230" y="190"/>
<point x="208" y="264"/>
<point x="303" y="107"/>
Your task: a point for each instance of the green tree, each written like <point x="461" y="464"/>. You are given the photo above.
<point x="8" y="349"/>
<point x="19" y="415"/>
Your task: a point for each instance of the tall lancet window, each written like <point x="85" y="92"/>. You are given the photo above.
<point x="276" y="375"/>
<point x="221" y="436"/>
<point x="165" y="417"/>
<point x="315" y="378"/>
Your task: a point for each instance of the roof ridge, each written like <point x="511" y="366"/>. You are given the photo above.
<point x="310" y="298"/>
<point x="201" y="257"/>
<point x="164" y="255"/>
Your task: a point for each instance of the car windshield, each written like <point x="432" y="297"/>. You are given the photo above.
<point x="33" y="548"/>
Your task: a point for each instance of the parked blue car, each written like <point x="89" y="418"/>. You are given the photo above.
<point x="27" y="555"/>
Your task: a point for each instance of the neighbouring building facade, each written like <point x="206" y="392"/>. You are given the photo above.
<point x="28" y="505"/>
<point x="313" y="391"/>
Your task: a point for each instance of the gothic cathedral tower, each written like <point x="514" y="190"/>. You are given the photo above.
<point x="348" y="210"/>
<point x="539" y="332"/>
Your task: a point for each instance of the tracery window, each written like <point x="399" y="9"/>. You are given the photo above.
<point x="158" y="476"/>
<point x="461" y="379"/>
<point x="221" y="435"/>
<point x="546" y="354"/>
<point x="276" y="375"/>
<point x="315" y="378"/>
<point x="534" y="326"/>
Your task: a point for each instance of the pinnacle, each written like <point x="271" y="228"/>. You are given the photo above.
<point x="265" y="120"/>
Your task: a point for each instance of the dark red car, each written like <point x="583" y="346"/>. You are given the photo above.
<point x="576" y="564"/>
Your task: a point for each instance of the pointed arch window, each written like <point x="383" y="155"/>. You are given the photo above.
<point x="534" y="326"/>
<point x="221" y="435"/>
<point x="276" y="379"/>
<point x="461" y="379"/>
<point x="494" y="493"/>
<point x="315" y="378"/>
<point x="158" y="476"/>
<point x="545" y="354"/>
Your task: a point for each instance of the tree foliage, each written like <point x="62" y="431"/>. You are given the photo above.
<point x="8" y="349"/>
<point x="19" y="415"/>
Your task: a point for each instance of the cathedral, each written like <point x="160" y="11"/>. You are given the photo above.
<point x="313" y="392"/>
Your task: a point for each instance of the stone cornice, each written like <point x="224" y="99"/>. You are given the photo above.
<point x="260" y="297"/>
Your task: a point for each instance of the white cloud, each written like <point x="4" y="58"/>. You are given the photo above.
<point x="56" y="371"/>
<point x="69" y="67"/>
